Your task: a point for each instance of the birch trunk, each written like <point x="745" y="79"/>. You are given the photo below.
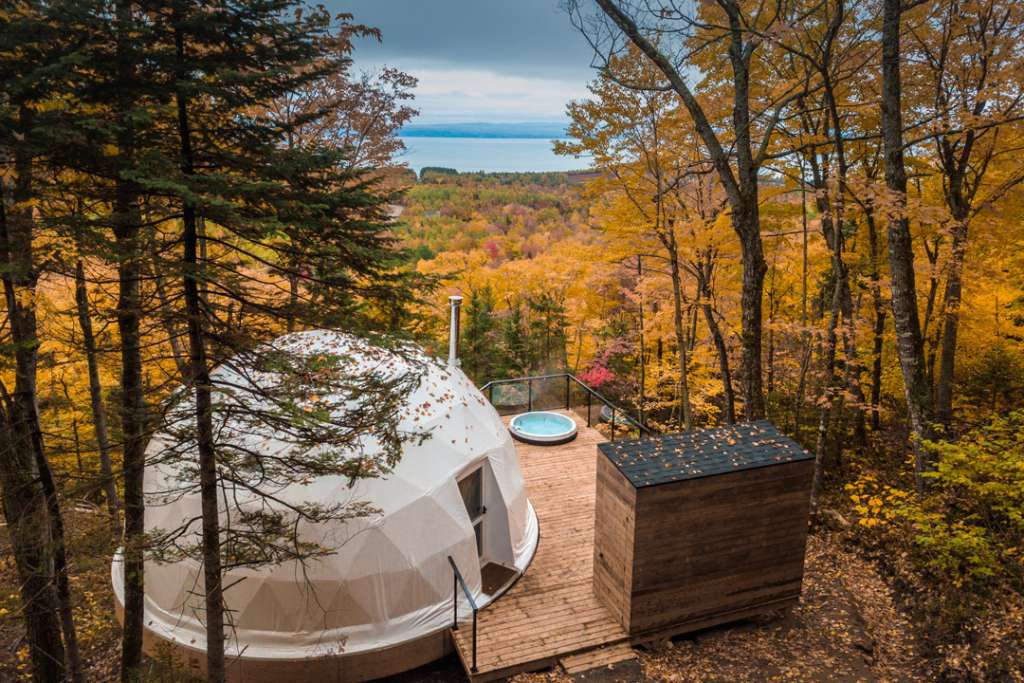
<point x="909" y="345"/>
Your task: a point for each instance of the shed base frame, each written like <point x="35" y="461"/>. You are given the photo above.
<point x="656" y="636"/>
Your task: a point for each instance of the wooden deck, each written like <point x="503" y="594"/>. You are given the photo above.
<point x="551" y="613"/>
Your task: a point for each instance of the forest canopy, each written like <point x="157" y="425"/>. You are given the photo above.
<point x="811" y="213"/>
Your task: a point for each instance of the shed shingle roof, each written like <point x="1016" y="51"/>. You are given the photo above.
<point x="703" y="453"/>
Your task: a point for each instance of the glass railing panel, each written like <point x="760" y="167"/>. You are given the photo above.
<point x="561" y="392"/>
<point x="549" y="393"/>
<point x="582" y="403"/>
<point x="509" y="398"/>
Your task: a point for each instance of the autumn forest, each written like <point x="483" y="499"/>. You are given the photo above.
<point x="807" y="212"/>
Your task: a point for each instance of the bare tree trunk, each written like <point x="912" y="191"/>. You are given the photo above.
<point x="133" y="421"/>
<point x="642" y="398"/>
<point x="293" y="291"/>
<point x="931" y="335"/>
<point x="901" y="253"/>
<point x="167" y="317"/>
<point x="832" y="215"/>
<point x="215" y="668"/>
<point x="60" y="559"/>
<point x="805" y="333"/>
<point x="879" y="328"/>
<point x="839" y="206"/>
<point x="25" y="512"/>
<point x="831" y="225"/>
<point x="692" y="335"/>
<point x="704" y="283"/>
<point x="828" y="400"/>
<point x="78" y="446"/>
<point x="26" y="505"/>
<point x="852" y="368"/>
<point x="771" y="334"/>
<point x="200" y="375"/>
<point x="932" y="255"/>
<point x="127" y="222"/>
<point x="729" y="396"/>
<point x="951" y="321"/>
<point x="99" y="411"/>
<point x="754" y="270"/>
<point x="20" y="291"/>
<point x="842" y="300"/>
<point x="681" y="341"/>
<point x="961" y="89"/>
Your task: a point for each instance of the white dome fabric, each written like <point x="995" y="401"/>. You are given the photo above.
<point x="389" y="580"/>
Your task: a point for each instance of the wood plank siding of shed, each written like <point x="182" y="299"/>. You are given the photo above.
<point x="700" y="528"/>
<point x="614" y="516"/>
<point x="711" y="549"/>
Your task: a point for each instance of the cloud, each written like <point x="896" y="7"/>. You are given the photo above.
<point x="481" y="60"/>
<point x="459" y="94"/>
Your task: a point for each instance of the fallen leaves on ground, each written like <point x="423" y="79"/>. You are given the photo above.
<point x="847" y="627"/>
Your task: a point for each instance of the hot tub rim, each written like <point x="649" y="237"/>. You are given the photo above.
<point x="554" y="440"/>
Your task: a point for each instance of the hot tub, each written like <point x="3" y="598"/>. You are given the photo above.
<point x="541" y="427"/>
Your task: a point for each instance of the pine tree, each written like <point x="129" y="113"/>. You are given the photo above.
<point x="514" y="340"/>
<point x="548" y="324"/>
<point x="482" y="355"/>
<point x="255" y="212"/>
<point x="165" y="134"/>
<point x="31" y="45"/>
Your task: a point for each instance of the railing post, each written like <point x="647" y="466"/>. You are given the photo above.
<point x="529" y="394"/>
<point x="456" y="580"/>
<point x="473" y="669"/>
<point x="589" y="396"/>
<point x="567" y="393"/>
<point x="613" y="423"/>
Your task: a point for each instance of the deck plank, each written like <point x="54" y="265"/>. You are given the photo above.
<point x="551" y="612"/>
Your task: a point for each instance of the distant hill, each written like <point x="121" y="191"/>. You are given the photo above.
<point x="541" y="130"/>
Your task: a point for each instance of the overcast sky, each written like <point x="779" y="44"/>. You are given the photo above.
<point x="478" y="60"/>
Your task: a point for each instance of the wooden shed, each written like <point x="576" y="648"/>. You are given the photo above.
<point x="702" y="528"/>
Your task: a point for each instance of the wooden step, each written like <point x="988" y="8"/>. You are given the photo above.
<point x="598" y="657"/>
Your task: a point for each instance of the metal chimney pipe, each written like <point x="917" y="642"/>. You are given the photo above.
<point x="453" y="331"/>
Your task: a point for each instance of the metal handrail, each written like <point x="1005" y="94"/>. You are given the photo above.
<point x="569" y="377"/>
<point x="459" y="581"/>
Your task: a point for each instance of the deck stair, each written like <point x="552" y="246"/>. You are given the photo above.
<point x="551" y="613"/>
<point x="598" y="657"/>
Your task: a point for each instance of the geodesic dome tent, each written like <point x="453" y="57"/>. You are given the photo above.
<point x="388" y="580"/>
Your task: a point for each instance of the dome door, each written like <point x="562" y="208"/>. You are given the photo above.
<point x="471" y="487"/>
<point x="487" y="512"/>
